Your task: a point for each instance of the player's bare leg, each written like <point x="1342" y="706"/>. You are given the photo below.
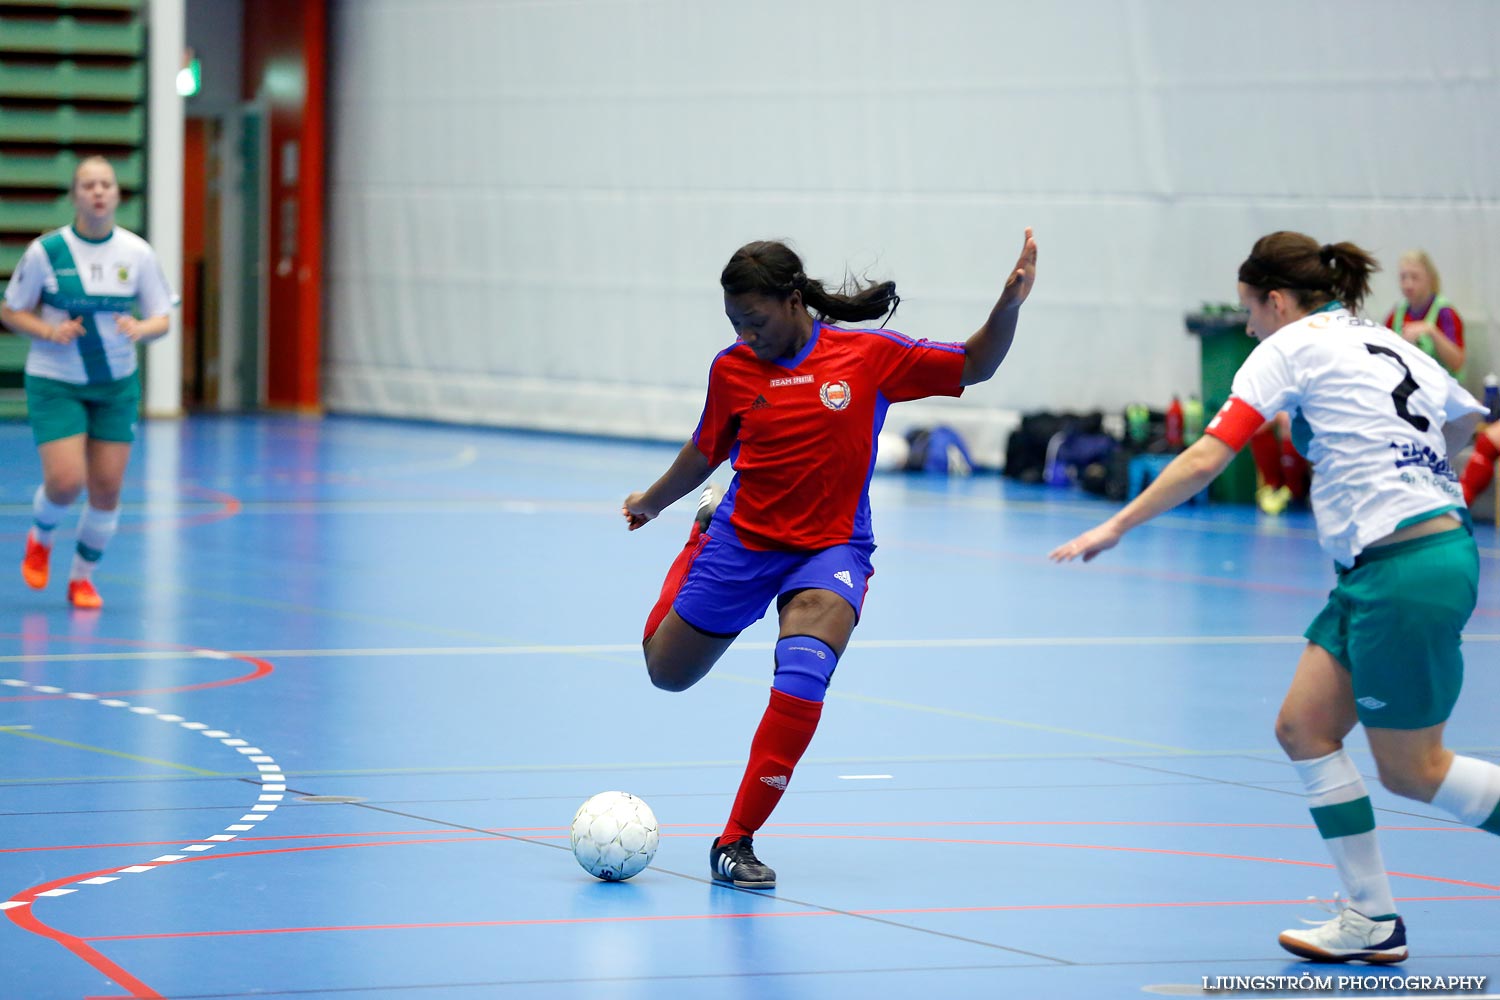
<point x="679" y="656"/>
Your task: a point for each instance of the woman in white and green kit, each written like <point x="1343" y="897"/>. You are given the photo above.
<point x="85" y="294"/>
<point x="1376" y="416"/>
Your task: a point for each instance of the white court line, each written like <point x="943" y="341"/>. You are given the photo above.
<point x="264" y="763"/>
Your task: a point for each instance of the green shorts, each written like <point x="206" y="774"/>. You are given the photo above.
<point x="105" y="411"/>
<point x="1395" y="622"/>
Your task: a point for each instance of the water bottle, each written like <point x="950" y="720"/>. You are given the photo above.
<point x="1174" y="424"/>
<point x="1192" y="420"/>
<point x="1138" y="424"/>
<point x="1492" y="397"/>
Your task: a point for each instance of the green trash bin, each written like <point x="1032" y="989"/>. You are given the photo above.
<point x="1223" y="346"/>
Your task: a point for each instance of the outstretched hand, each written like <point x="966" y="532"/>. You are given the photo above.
<point x="1088" y="545"/>
<point x="1022" y="276"/>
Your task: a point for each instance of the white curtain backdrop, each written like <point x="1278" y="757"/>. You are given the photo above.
<point x="530" y="201"/>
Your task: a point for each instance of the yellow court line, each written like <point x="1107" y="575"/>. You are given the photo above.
<point x="115" y="753"/>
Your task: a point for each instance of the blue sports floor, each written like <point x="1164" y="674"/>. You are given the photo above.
<point x="1031" y="780"/>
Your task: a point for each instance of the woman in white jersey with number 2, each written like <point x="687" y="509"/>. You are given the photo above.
<point x="1370" y="412"/>
<point x="75" y="292"/>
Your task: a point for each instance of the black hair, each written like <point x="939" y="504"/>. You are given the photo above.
<point x="770" y="267"/>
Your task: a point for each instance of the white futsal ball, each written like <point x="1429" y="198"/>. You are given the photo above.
<point x="614" y="836"/>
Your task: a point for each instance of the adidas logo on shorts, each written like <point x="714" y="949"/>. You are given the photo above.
<point x="842" y="576"/>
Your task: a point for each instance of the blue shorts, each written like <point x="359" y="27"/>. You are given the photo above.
<point x="729" y="587"/>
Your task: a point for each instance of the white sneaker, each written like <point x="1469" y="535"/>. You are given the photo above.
<point x="708" y="502"/>
<point x="1349" y="937"/>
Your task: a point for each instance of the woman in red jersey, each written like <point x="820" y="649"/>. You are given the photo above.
<point x="795" y="405"/>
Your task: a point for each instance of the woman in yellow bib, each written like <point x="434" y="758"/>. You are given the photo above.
<point x="1423" y="317"/>
<point x="85" y="294"/>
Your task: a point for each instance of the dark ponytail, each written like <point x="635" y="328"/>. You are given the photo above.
<point x="772" y="268"/>
<point x="1315" y="275"/>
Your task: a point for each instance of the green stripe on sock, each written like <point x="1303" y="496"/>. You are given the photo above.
<point x="1345" y="819"/>
<point x="1492" y="825"/>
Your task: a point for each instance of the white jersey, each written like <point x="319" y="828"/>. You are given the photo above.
<point x="1368" y="412"/>
<point x="66" y="275"/>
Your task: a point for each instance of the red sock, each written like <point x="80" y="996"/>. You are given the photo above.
<point x="785" y="731"/>
<point x="673" y="583"/>
<point x="1266" y="450"/>
<point x="1481" y="468"/>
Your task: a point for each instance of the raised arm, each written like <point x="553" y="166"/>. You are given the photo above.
<point x="687" y="473"/>
<point x="990" y="343"/>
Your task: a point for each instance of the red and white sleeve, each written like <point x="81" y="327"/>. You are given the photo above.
<point x="1235" y="423"/>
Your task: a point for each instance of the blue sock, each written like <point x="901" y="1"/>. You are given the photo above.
<point x="804" y="666"/>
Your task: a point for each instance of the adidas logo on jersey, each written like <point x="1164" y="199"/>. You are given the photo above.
<point x="761" y="402"/>
<point x="842" y="576"/>
<point x="777" y="781"/>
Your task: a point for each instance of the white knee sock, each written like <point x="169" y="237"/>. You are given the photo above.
<point x="95" y="529"/>
<point x="1471" y="791"/>
<point x="45" y="516"/>
<point x="1341" y="807"/>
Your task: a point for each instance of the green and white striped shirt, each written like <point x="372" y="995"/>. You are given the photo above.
<point x="67" y="275"/>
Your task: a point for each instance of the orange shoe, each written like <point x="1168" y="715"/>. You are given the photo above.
<point x="34" y="567"/>
<point x="81" y="594"/>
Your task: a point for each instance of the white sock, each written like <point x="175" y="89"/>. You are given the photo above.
<point x="1471" y="791"/>
<point x="95" y="529"/>
<point x="45" y="516"/>
<point x="1340" y="805"/>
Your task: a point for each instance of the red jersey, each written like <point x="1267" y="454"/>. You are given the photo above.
<point x="800" y="432"/>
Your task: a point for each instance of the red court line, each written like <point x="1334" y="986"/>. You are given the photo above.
<point x="24" y="918"/>
<point x="78" y="946"/>
<point x="27" y="920"/>
<point x="229" y="506"/>
<point x="262" y="667"/>
<point x="650" y="918"/>
<point x="554" y="832"/>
